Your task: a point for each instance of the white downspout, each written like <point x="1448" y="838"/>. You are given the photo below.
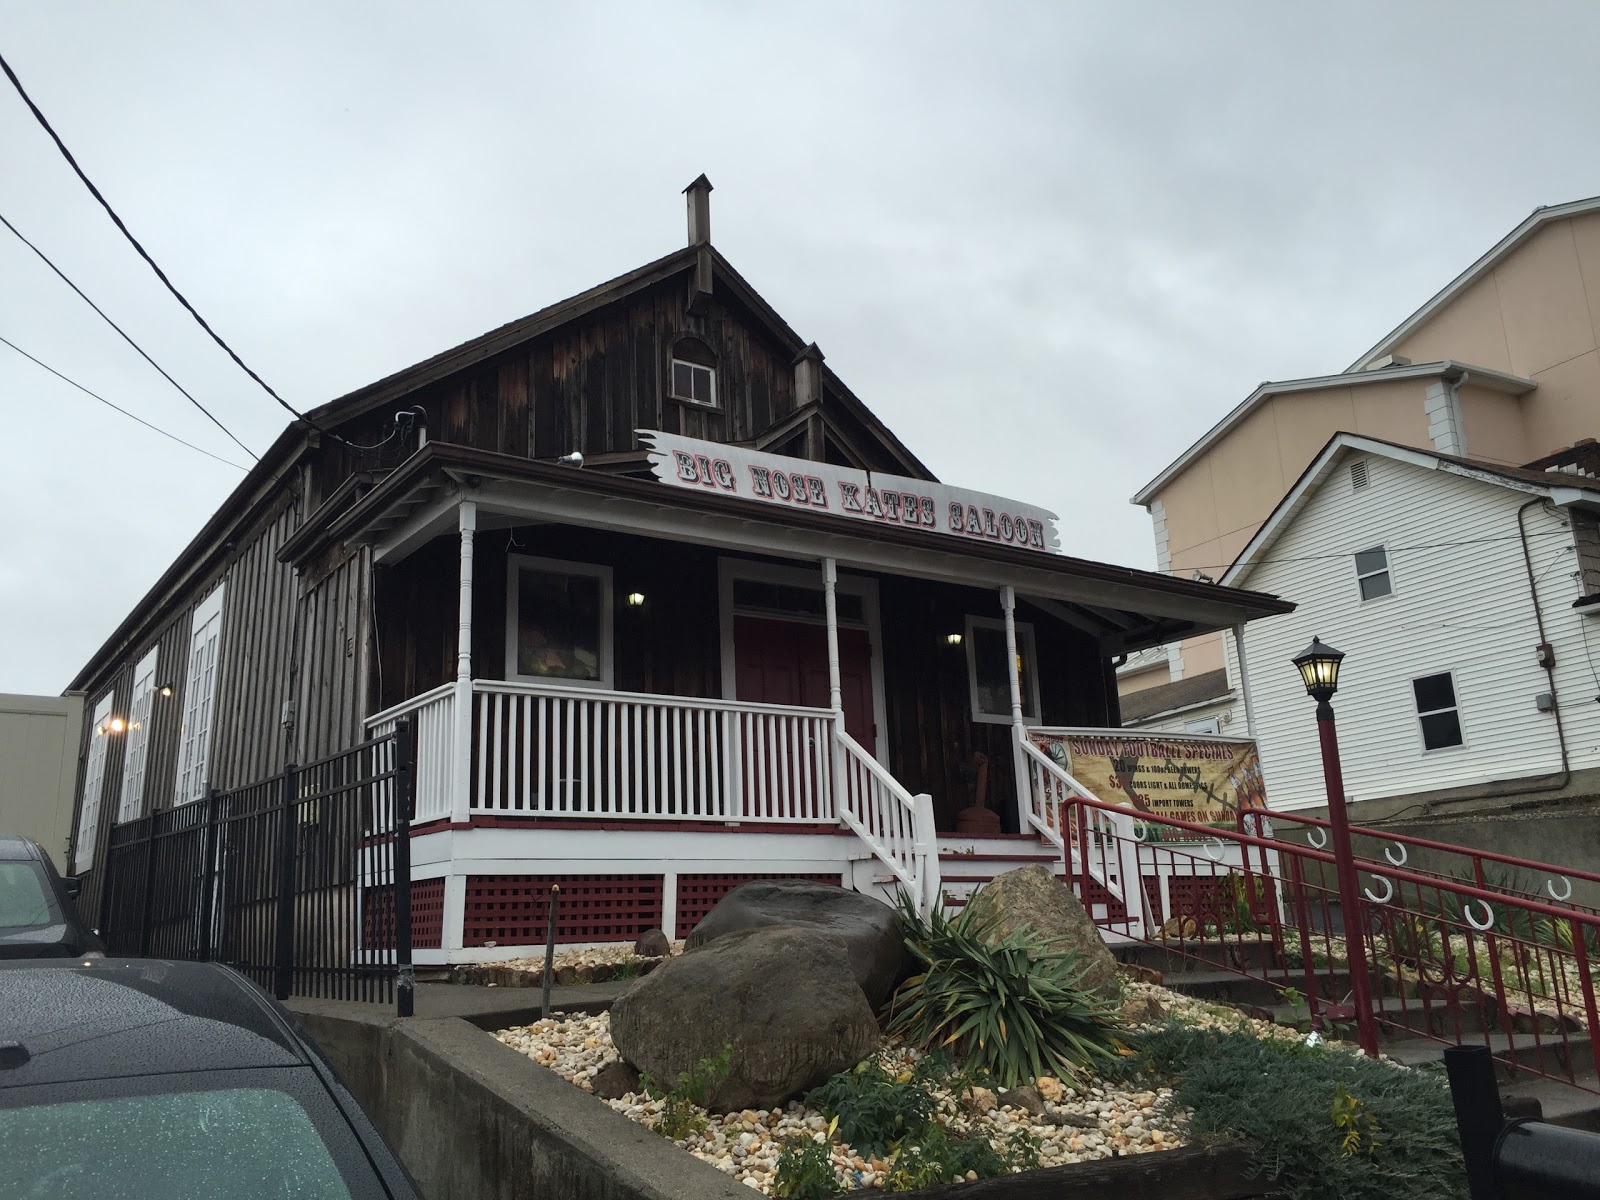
<point x="1244" y="681"/>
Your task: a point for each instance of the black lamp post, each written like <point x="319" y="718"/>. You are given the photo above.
<point x="1318" y="665"/>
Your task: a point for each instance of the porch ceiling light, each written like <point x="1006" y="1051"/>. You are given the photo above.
<point x="635" y="599"/>
<point x="952" y="639"/>
<point x="1318" y="665"/>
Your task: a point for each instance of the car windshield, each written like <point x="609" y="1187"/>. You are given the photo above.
<point x="24" y="900"/>
<point x="249" y="1143"/>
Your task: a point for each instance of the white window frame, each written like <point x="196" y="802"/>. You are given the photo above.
<point x="672" y="383"/>
<point x="1204" y="725"/>
<point x="94" y="780"/>
<point x="1455" y="695"/>
<point x="1027" y="647"/>
<point x="1388" y="570"/>
<point x="514" y="563"/>
<point x="134" y="756"/>
<point x="199" y="699"/>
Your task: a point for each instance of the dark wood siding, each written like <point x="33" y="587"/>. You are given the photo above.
<point x="335" y="633"/>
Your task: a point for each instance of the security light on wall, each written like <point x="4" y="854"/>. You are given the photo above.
<point x="164" y="690"/>
<point x="635" y="599"/>
<point x="952" y="639"/>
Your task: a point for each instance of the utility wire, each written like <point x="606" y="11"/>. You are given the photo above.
<point x="131" y="416"/>
<point x="125" y="337"/>
<point x="162" y="275"/>
<point x="1387" y="550"/>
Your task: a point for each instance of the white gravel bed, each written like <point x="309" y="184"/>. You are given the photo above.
<point x="1108" y="1118"/>
<point x="587" y="956"/>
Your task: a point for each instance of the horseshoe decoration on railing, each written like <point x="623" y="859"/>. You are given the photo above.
<point x="1389" y="853"/>
<point x="1388" y="890"/>
<point x="1317" y="837"/>
<point x="1218" y="843"/>
<point x="1488" y="923"/>
<point x="1141" y="831"/>
<point x="1550" y="887"/>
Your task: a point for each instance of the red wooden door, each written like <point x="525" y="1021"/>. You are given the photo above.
<point x="786" y="662"/>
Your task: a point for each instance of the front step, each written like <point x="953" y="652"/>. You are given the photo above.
<point x="966" y="862"/>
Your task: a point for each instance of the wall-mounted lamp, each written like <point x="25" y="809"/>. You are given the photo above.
<point x="952" y="639"/>
<point x="571" y="460"/>
<point x="164" y="690"/>
<point x="635" y="599"/>
<point x="113" y="725"/>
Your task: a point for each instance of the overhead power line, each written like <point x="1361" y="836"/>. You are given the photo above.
<point x="125" y="336"/>
<point x="1299" y="558"/>
<point x="168" y="284"/>
<point x="131" y="416"/>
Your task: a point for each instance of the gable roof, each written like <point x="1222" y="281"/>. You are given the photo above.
<point x="1561" y="487"/>
<point x="1538" y="219"/>
<point x="1180" y="694"/>
<point x="1500" y="381"/>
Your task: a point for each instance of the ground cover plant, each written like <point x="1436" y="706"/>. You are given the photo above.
<point x="1321" y="1123"/>
<point x="1004" y="1004"/>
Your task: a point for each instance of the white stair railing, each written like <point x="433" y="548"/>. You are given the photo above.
<point x="895" y="825"/>
<point x="1048" y="789"/>
<point x="433" y="715"/>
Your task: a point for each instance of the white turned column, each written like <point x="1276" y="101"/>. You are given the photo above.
<point x="461" y="785"/>
<point x="1244" y="682"/>
<point x="1019" y="764"/>
<point x="830" y="602"/>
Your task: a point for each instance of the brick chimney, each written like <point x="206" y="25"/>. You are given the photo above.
<point x="1580" y="458"/>
<point x="699" y="193"/>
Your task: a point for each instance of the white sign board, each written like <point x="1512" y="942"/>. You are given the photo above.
<point x="848" y="492"/>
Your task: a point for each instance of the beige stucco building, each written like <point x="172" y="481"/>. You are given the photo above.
<point x="1502" y="365"/>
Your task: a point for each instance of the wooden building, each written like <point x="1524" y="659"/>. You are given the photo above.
<point x="643" y="683"/>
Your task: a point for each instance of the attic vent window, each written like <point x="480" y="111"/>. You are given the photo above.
<point x="694" y="383"/>
<point x="1358" y="476"/>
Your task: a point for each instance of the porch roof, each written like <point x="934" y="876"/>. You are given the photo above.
<point x="1125" y="609"/>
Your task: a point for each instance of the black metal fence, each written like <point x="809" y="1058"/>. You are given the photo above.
<point x="299" y="881"/>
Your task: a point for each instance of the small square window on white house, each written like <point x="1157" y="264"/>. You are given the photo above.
<point x="559" y="618"/>
<point x="1372" y="573"/>
<point x="694" y="383"/>
<point x="987" y="674"/>
<point x="1436" y="709"/>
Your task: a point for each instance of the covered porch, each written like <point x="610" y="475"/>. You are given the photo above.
<point x="662" y="691"/>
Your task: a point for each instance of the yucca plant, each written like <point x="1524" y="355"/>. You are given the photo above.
<point x="1006" y="1004"/>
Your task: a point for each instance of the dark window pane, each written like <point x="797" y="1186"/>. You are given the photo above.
<point x="993" y="679"/>
<point x="702" y="385"/>
<point x="24" y="903"/>
<point x="1371" y="560"/>
<point x="1441" y="729"/>
<point x="1434" y="692"/>
<point x="800" y="601"/>
<point x="243" y="1142"/>
<point x="558" y="624"/>
<point x="682" y="379"/>
<point x="1373" y="586"/>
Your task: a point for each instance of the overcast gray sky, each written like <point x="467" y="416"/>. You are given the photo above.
<point x="1050" y="244"/>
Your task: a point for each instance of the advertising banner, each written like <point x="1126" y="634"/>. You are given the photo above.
<point x="1207" y="780"/>
<point x="848" y="492"/>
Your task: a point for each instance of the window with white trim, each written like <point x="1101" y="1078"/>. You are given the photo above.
<point x="988" y="679"/>
<point x="1204" y="725"/>
<point x="1372" y="573"/>
<point x="138" y="743"/>
<point x="94" y="779"/>
<point x="199" y="699"/>
<point x="1437" y="711"/>
<point x="694" y="382"/>
<point x="558" y="617"/>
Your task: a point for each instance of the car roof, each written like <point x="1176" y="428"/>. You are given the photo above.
<point x="15" y="847"/>
<point x="112" y="1018"/>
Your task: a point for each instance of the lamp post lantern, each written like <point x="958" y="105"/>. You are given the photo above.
<point x="1318" y="665"/>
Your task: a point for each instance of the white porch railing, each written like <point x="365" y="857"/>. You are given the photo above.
<point x="433" y="713"/>
<point x="896" y="826"/>
<point x="1117" y="870"/>
<point x="583" y="754"/>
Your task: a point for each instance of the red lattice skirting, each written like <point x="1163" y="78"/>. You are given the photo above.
<point x="512" y="910"/>
<point x="427" y="916"/>
<point x="698" y="894"/>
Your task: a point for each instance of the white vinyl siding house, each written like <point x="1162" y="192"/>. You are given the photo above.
<point x="1460" y="609"/>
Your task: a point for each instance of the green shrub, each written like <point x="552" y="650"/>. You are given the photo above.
<point x="1321" y="1124"/>
<point x="1004" y="1003"/>
<point x="683" y="1100"/>
<point x="940" y="1156"/>
<point x="873" y="1110"/>
<point x="805" y="1172"/>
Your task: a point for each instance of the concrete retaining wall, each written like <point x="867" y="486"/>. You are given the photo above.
<point x="473" y="1118"/>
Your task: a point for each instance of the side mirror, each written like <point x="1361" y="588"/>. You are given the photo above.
<point x="72" y="885"/>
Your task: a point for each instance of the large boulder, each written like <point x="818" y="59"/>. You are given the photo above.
<point x="869" y="928"/>
<point x="783" y="997"/>
<point x="1033" y="898"/>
